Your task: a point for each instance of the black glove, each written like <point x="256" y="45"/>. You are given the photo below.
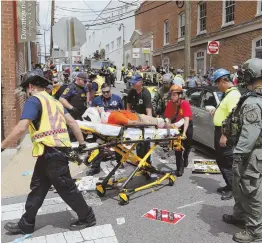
<point x="74" y="111"/>
<point x="2" y="150"/>
<point x="81" y="148"/>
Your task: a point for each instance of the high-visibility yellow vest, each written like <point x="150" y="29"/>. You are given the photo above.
<point x="140" y="73"/>
<point x="99" y="81"/>
<point x="55" y="89"/>
<point x="111" y="70"/>
<point x="52" y="130"/>
<point x="129" y="73"/>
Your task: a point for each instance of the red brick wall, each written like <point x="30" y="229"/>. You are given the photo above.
<point x="8" y="67"/>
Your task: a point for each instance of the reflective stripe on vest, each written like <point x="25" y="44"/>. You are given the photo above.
<point x="52" y="130"/>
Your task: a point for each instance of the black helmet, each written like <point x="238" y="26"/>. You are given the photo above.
<point x="35" y="77"/>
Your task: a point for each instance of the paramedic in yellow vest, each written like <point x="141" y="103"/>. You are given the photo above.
<point x="94" y="85"/>
<point x="123" y="72"/>
<point x="112" y="74"/>
<point x="46" y="120"/>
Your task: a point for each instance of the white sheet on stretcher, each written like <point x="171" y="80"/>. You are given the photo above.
<point x="129" y="133"/>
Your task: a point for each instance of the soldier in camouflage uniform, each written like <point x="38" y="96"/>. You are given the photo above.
<point x="244" y="128"/>
<point x="162" y="96"/>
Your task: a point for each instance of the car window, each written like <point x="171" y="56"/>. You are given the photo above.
<point x="219" y="95"/>
<point x="208" y="99"/>
<point x="194" y="98"/>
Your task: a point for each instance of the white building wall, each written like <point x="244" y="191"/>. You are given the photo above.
<point x="108" y="33"/>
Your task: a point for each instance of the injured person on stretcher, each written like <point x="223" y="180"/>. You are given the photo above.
<point x="124" y="117"/>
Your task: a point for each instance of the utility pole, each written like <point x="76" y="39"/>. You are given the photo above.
<point x="187" y="39"/>
<point x="45" y="47"/>
<point x="52" y="23"/>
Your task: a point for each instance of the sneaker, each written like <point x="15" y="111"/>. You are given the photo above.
<point x="231" y="219"/>
<point x="246" y="237"/>
<point x="79" y="225"/>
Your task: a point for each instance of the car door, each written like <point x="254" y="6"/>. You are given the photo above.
<point x="206" y="120"/>
<point x="194" y="98"/>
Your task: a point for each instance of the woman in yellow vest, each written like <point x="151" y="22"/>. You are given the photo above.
<point x="47" y="122"/>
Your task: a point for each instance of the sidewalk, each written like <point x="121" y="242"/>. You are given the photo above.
<point x="15" y="162"/>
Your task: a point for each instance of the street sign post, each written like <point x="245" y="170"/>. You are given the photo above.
<point x="213" y="47"/>
<point x="69" y="33"/>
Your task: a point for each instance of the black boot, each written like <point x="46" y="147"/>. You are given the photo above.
<point x="179" y="164"/>
<point x="14" y="228"/>
<point x="79" y="225"/>
<point x="222" y="189"/>
<point x="231" y="219"/>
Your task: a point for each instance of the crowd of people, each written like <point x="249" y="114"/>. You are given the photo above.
<point x="52" y="108"/>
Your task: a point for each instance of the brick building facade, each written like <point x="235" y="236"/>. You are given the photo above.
<point x="236" y="24"/>
<point x="13" y="64"/>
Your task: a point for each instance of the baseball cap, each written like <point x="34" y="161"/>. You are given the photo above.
<point x="136" y="78"/>
<point x="167" y="78"/>
<point x="83" y="76"/>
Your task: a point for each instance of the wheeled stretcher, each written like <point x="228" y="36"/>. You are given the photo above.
<point x="120" y="138"/>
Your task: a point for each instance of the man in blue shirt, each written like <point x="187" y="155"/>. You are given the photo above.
<point x="108" y="100"/>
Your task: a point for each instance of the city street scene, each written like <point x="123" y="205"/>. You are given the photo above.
<point x="130" y="121"/>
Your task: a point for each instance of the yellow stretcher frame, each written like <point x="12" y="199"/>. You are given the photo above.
<point x="142" y="166"/>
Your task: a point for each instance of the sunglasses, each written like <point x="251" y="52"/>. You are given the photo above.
<point x="106" y="92"/>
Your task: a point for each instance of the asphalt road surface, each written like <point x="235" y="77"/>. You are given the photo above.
<point x="193" y="197"/>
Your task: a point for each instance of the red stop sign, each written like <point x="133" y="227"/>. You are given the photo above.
<point x="213" y="47"/>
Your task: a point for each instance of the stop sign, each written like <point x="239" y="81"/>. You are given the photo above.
<point x="213" y="47"/>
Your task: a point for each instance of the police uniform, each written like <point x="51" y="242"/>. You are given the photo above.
<point x="51" y="141"/>
<point x="244" y="128"/>
<point x="76" y="96"/>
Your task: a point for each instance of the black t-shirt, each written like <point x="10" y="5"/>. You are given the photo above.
<point x="139" y="102"/>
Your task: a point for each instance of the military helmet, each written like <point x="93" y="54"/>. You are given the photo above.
<point x="35" y="77"/>
<point x="253" y="70"/>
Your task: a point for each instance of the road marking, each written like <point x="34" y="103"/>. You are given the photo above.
<point x="96" y="234"/>
<point x="51" y="205"/>
<point x="190" y="205"/>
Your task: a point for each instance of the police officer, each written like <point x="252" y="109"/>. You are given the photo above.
<point x="123" y="72"/>
<point x="112" y="71"/>
<point x="110" y="102"/>
<point x="74" y="97"/>
<point x="223" y="149"/>
<point x="244" y="127"/>
<point x="46" y="120"/>
<point x="162" y="96"/>
<point x="139" y="100"/>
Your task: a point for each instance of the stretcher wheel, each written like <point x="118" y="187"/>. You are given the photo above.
<point x="100" y="190"/>
<point x="124" y="198"/>
<point x="171" y="181"/>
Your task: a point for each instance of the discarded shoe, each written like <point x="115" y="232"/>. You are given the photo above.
<point x="231" y="219"/>
<point x="246" y="237"/>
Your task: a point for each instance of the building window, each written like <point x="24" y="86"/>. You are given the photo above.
<point x="200" y="62"/>
<point x="259" y="7"/>
<point x="257" y="48"/>
<point x="93" y="36"/>
<point x="166" y="33"/>
<point x="118" y="42"/>
<point x="202" y="11"/>
<point x="181" y="29"/>
<point x="166" y="63"/>
<point x="107" y="48"/>
<point x="228" y="12"/>
<point x="112" y="45"/>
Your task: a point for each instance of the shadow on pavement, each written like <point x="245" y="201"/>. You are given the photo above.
<point x="208" y="183"/>
<point x="212" y="215"/>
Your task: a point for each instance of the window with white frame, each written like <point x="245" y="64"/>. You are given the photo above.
<point x="181" y="30"/>
<point x="166" y="33"/>
<point x="166" y="63"/>
<point x="202" y="11"/>
<point x="200" y="62"/>
<point x="228" y="12"/>
<point x="259" y="7"/>
<point x="258" y="48"/>
<point x="118" y="42"/>
<point x="112" y="45"/>
<point x="107" y="49"/>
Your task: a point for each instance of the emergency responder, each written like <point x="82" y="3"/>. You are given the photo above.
<point x="112" y="71"/>
<point x="224" y="151"/>
<point x="110" y="102"/>
<point x="139" y="100"/>
<point x="94" y="85"/>
<point x="162" y="96"/>
<point x="123" y="72"/>
<point x="244" y="128"/>
<point x="129" y="75"/>
<point x="178" y="108"/>
<point x="46" y="120"/>
<point x="74" y="97"/>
